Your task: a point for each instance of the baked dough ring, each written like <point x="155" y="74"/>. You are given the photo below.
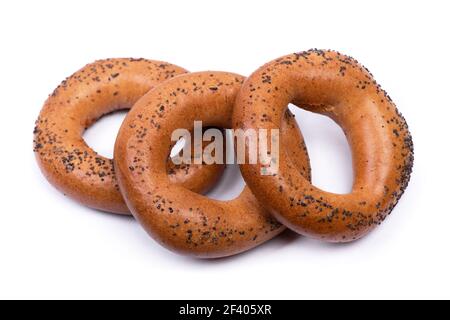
<point x="181" y="220"/>
<point x="98" y="89"/>
<point x="335" y="85"/>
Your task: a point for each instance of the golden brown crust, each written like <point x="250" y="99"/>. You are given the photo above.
<point x="335" y="85"/>
<point x="98" y="89"/>
<point x="177" y="218"/>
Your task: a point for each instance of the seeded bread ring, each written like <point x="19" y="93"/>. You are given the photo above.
<point x="100" y="88"/>
<point x="337" y="86"/>
<point x="180" y="220"/>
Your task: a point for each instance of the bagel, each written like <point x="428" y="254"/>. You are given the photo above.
<point x="337" y="86"/>
<point x="100" y="88"/>
<point x="179" y="219"/>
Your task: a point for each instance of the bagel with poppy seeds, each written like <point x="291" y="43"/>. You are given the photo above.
<point x="179" y="219"/>
<point x="337" y="86"/>
<point x="100" y="88"/>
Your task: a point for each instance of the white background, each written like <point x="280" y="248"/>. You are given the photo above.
<point x="51" y="247"/>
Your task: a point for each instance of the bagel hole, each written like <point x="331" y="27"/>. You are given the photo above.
<point x="176" y="149"/>
<point x="231" y="184"/>
<point x="328" y="149"/>
<point x="101" y="135"/>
